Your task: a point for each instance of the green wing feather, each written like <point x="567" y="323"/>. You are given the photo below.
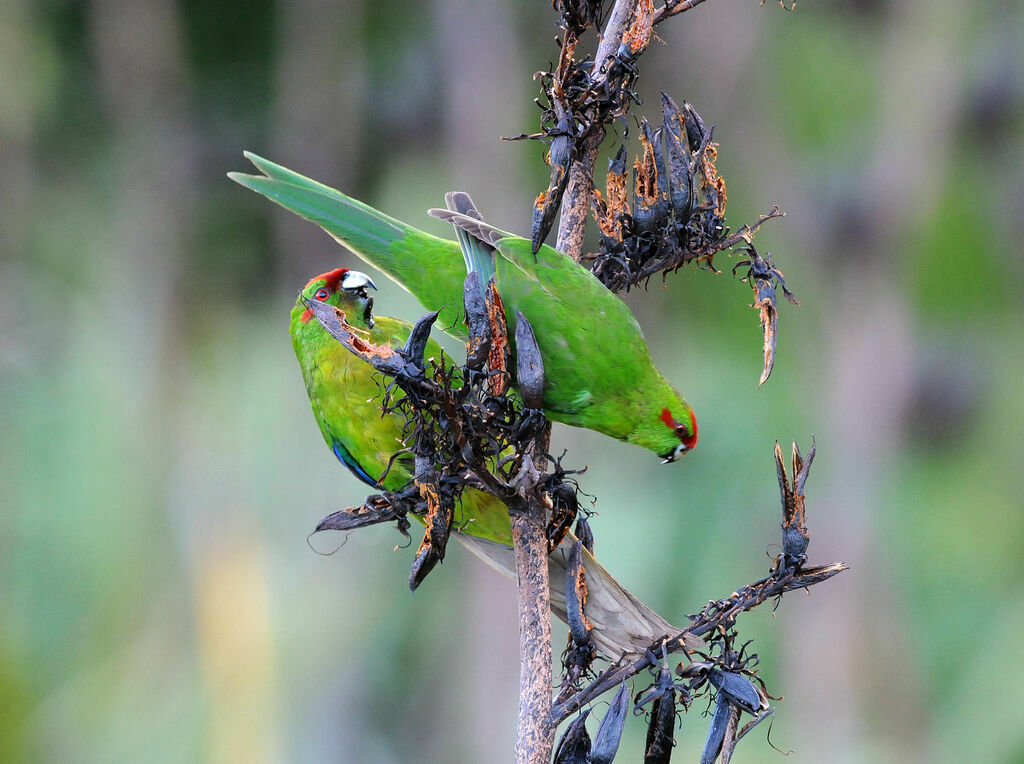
<point x="598" y="368"/>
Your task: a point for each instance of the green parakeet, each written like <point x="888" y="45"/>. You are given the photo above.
<point x="598" y="369"/>
<point x="345" y="393"/>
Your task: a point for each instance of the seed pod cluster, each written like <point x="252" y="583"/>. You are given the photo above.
<point x="677" y="212"/>
<point x="579" y="98"/>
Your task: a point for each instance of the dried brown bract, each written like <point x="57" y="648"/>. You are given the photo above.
<point x="579" y="656"/>
<point x="763" y="277"/>
<point x="579" y="15"/>
<point x="794" y="523"/>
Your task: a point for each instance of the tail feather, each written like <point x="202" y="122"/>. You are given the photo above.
<point x="474" y="226"/>
<point x="277" y="172"/>
<point x="425" y="265"/>
<point x="361" y="228"/>
<point x="478" y="254"/>
<point x="461" y="202"/>
<point x="622" y="624"/>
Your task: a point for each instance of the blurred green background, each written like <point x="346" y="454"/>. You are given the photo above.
<point x="160" y="469"/>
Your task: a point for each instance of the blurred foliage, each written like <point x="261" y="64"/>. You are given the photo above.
<point x="159" y="469"/>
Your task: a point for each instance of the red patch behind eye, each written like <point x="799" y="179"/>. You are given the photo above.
<point x="688" y="439"/>
<point x="691" y="441"/>
<point x="666" y="417"/>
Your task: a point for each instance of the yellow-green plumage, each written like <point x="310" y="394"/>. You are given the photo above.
<point x="345" y="394"/>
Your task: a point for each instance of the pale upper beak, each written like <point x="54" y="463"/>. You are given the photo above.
<point x="676" y="453"/>
<point x="357" y="280"/>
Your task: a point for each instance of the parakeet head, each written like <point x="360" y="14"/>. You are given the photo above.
<point x="685" y="431"/>
<point x="341" y="287"/>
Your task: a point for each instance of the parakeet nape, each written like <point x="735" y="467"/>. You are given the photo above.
<point x="598" y="369"/>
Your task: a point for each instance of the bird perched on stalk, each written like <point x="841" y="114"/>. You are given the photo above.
<point x="599" y="372"/>
<point x="346" y="397"/>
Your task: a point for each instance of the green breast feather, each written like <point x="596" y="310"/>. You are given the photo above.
<point x="345" y="394"/>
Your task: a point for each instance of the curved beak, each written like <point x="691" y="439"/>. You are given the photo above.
<point x="674" y="455"/>
<point x="357" y="280"/>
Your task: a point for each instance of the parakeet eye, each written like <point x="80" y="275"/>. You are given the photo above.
<point x="322" y="294"/>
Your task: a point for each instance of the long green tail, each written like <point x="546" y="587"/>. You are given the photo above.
<point x="429" y="267"/>
<point x="358" y="225"/>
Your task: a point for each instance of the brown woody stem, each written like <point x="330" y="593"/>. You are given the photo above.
<point x="535" y="735"/>
<point x="576" y="200"/>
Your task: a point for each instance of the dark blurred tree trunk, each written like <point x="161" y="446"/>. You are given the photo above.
<point x="318" y="119"/>
<point x="485" y="91"/>
<point x="18" y="118"/>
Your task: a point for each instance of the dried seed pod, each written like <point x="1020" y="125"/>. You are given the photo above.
<point x="738" y="689"/>
<point x="696" y="133"/>
<point x="794" y="526"/>
<point x="376" y="509"/>
<point x="650" y="186"/>
<point x="499" y="358"/>
<point x="440" y="508"/>
<point x="382" y="357"/>
<point x="529" y="364"/>
<point x="416" y="344"/>
<point x="612" y="211"/>
<point x="680" y="161"/>
<point x="564" y="508"/>
<point x="576" y="597"/>
<point x="584" y="533"/>
<point x="726" y="716"/>
<point x="545" y="207"/>
<point x="762" y="276"/>
<point x="574" y="747"/>
<point x="609" y="731"/>
<point x="661" y="727"/>
<point x="478" y="346"/>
